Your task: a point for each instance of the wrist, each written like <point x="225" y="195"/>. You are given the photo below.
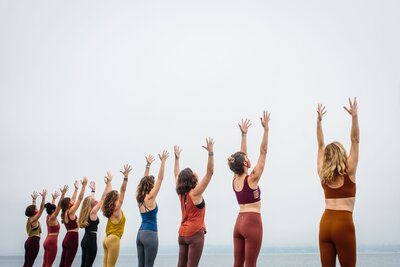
<point x="211" y="153"/>
<point x="147" y="166"/>
<point x="126" y="178"/>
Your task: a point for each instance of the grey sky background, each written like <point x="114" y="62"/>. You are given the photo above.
<point x="88" y="86"/>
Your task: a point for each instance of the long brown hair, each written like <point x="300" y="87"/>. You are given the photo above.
<point x="186" y="181"/>
<point x="144" y="187"/>
<point x="85" y="211"/>
<point x="109" y="203"/>
<point x="334" y="162"/>
<point x="64" y="207"/>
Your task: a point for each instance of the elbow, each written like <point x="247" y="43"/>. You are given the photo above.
<point x="355" y="139"/>
<point x="263" y="151"/>
<point x="210" y="171"/>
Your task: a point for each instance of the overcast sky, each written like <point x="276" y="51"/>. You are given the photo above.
<point x="86" y="87"/>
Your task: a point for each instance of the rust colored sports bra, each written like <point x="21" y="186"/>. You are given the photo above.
<point x="348" y="189"/>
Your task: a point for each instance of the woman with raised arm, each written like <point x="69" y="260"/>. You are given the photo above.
<point x="69" y="219"/>
<point x="116" y="220"/>
<point x="33" y="229"/>
<point x="146" y="194"/>
<point x="248" y="231"/>
<point x="337" y="172"/>
<point x="53" y="228"/>
<point x="190" y="191"/>
<point x="89" y="220"/>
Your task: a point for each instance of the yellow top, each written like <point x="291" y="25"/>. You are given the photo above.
<point x="116" y="228"/>
<point x="33" y="231"/>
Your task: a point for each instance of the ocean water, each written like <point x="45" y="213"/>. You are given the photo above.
<point x="221" y="260"/>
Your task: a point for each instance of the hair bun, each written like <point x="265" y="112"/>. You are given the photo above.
<point x="231" y="159"/>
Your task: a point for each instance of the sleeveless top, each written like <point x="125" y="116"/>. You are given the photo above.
<point x="72" y="224"/>
<point x="52" y="229"/>
<point x="247" y="195"/>
<point x="149" y="219"/>
<point x="192" y="216"/>
<point x="33" y="231"/>
<point x="92" y="227"/>
<point x="348" y="189"/>
<point x="116" y="228"/>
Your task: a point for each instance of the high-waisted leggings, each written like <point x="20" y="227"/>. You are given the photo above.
<point x="190" y="249"/>
<point x="337" y="237"/>
<point x="247" y="239"/>
<point x="89" y="249"/>
<point x="69" y="248"/>
<point x="147" y="247"/>
<point x="32" y="245"/>
<point x="50" y="250"/>
<point x="111" y="247"/>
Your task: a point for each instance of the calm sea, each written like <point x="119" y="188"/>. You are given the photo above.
<point x="220" y="260"/>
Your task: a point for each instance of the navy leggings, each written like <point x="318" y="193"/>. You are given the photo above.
<point x="32" y="245"/>
<point x="147" y="247"/>
<point x="89" y="249"/>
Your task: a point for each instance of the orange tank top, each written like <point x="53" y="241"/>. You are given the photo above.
<point x="192" y="216"/>
<point x="348" y="189"/>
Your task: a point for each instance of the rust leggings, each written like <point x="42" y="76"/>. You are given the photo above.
<point x="337" y="237"/>
<point x="247" y="238"/>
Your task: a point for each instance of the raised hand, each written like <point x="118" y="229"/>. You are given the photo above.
<point x="92" y="185"/>
<point x="44" y="193"/>
<point x="76" y="184"/>
<point x="352" y="110"/>
<point x="108" y="177"/>
<point x="149" y="159"/>
<point x="64" y="189"/>
<point x="127" y="169"/>
<point x="209" y="145"/>
<point x="244" y="125"/>
<point x="55" y="195"/>
<point x="84" y="181"/>
<point x="265" y="120"/>
<point x="34" y="195"/>
<point x="177" y="152"/>
<point x="321" y="111"/>
<point x="164" y="155"/>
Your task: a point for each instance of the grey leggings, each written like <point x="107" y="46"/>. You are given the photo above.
<point x="147" y="247"/>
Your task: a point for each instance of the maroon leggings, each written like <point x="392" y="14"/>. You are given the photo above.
<point x="70" y="247"/>
<point x="190" y="249"/>
<point x="31" y="250"/>
<point x="50" y="250"/>
<point x="247" y="238"/>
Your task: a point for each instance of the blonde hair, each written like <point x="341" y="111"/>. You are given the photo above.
<point x="334" y="162"/>
<point x="85" y="212"/>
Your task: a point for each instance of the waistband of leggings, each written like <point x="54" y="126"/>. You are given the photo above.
<point x="338" y="211"/>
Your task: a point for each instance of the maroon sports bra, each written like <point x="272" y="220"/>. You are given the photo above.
<point x="247" y="195"/>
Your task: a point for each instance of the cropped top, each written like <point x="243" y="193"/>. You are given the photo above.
<point x="52" y="229"/>
<point x="149" y="219"/>
<point x="116" y="228"/>
<point x="92" y="227"/>
<point x="348" y="189"/>
<point x="33" y="231"/>
<point x="247" y="195"/>
<point x="192" y="216"/>
<point x="71" y="224"/>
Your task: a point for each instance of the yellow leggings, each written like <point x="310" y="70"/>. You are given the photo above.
<point x="111" y="246"/>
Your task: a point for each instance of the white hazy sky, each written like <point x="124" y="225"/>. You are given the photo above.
<point x="88" y="86"/>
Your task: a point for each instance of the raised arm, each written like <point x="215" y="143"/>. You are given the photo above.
<point x="41" y="208"/>
<point x="177" y="152"/>
<point x="34" y="196"/>
<point x="76" y="185"/>
<point x="163" y="157"/>
<point x="352" y="160"/>
<point x="75" y="207"/>
<point x="320" y="137"/>
<point x="107" y="188"/>
<point x="149" y="161"/>
<point x="58" y="208"/>
<point x="202" y="185"/>
<point x="92" y="186"/>
<point x="54" y="197"/>
<point x="259" y="168"/>
<point x="125" y="172"/>
<point x="244" y="126"/>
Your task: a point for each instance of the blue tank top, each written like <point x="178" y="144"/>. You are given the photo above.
<point x="149" y="219"/>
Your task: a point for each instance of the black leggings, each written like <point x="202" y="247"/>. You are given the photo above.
<point x="190" y="249"/>
<point x="147" y="247"/>
<point x="89" y="249"/>
<point x="32" y="245"/>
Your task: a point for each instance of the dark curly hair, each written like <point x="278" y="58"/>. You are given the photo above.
<point x="186" y="181"/>
<point x="235" y="162"/>
<point x="30" y="210"/>
<point x="144" y="187"/>
<point x="64" y="207"/>
<point x="109" y="203"/>
<point x="50" y="208"/>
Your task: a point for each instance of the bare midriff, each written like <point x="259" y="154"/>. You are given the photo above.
<point x="340" y="203"/>
<point x="250" y="207"/>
